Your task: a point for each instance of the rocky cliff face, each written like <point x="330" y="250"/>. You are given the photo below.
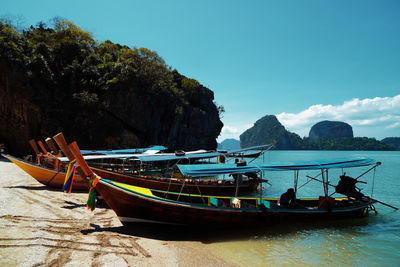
<point x="103" y="95"/>
<point x="330" y="129"/>
<point x="120" y="119"/>
<point x="268" y="130"/>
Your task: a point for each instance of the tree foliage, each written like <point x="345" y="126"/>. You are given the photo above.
<point x="68" y="59"/>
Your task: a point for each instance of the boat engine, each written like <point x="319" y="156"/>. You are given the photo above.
<point x="347" y="187"/>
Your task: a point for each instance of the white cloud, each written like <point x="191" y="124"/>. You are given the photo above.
<point x="377" y="117"/>
<point x="232" y="132"/>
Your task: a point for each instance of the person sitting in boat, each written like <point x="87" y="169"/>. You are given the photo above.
<point x="287" y="199"/>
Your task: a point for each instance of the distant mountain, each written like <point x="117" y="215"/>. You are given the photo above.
<point x="325" y="135"/>
<point x="268" y="130"/>
<point x="330" y="129"/>
<point x="229" y="144"/>
<point x="392" y="141"/>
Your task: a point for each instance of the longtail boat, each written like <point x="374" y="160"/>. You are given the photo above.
<point x="138" y="204"/>
<point x="244" y="155"/>
<point x="50" y="176"/>
<point x="51" y="170"/>
<point x="55" y="177"/>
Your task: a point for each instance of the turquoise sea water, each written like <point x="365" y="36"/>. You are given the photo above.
<point x="372" y="241"/>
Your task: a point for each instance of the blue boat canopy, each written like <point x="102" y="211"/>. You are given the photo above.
<point x="122" y="151"/>
<point x="152" y="157"/>
<point x="168" y="157"/>
<point x="201" y="154"/>
<point x="152" y="154"/>
<point x="215" y="169"/>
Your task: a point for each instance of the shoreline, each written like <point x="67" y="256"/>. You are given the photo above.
<point x="44" y="226"/>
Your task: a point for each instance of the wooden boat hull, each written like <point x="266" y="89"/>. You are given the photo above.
<point x="47" y="176"/>
<point x="137" y="206"/>
<point x="177" y="185"/>
<point x="54" y="178"/>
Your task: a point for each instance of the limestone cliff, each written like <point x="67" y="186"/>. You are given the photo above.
<point x="330" y="129"/>
<point x="268" y="130"/>
<point x="120" y="120"/>
<point x="102" y="95"/>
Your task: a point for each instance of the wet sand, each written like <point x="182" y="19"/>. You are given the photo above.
<point x="40" y="226"/>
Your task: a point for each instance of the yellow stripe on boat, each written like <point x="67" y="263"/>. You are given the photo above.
<point x="141" y="190"/>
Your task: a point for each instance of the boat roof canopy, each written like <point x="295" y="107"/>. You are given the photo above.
<point x="199" y="154"/>
<point x="151" y="155"/>
<point x="214" y="169"/>
<point x="123" y="151"/>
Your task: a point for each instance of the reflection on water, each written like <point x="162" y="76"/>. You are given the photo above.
<point x="372" y="241"/>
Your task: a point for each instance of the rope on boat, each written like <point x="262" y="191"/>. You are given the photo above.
<point x="201" y="195"/>
<point x="48" y="183"/>
<point x="169" y="185"/>
<point x="180" y="192"/>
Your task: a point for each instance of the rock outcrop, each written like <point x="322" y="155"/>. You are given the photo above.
<point x="327" y="136"/>
<point x="123" y="119"/>
<point x="268" y="130"/>
<point x="330" y="129"/>
<point x="102" y="95"/>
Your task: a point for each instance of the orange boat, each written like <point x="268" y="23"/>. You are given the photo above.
<point x="53" y="177"/>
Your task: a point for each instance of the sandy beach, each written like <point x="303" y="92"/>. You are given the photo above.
<point x="40" y="226"/>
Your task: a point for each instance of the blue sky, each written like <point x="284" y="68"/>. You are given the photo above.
<point x="304" y="61"/>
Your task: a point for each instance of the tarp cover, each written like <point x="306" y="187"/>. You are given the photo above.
<point x="213" y="169"/>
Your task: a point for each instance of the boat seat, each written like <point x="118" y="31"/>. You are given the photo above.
<point x="267" y="204"/>
<point x="214" y="201"/>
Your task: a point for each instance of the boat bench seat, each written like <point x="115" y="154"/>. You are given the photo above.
<point x="267" y="204"/>
<point x="215" y="202"/>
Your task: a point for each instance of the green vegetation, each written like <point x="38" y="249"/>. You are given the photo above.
<point x="64" y="58"/>
<point x="393" y="142"/>
<point x="345" y="143"/>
